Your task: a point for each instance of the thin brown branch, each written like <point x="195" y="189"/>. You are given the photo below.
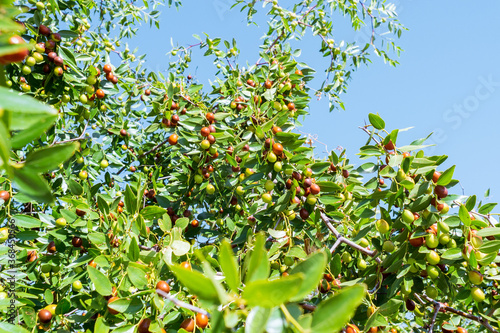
<point x="446" y="308"/>
<point x="487" y="217"/>
<point x="346" y="241"/>
<point x="74" y="139"/>
<point x="368" y="132"/>
<point x="155" y="248"/>
<point x="437" y="307"/>
<point x="152" y="150"/>
<point x="182" y="304"/>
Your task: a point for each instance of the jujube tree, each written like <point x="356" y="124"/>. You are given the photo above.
<point x="147" y="203"/>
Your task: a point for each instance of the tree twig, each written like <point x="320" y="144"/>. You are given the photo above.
<point x="487" y="217"/>
<point x="346" y="241"/>
<point x="437" y="307"/>
<point x="152" y="150"/>
<point x="155" y="248"/>
<point x="446" y="308"/>
<point x="182" y="304"/>
<point x="74" y="139"/>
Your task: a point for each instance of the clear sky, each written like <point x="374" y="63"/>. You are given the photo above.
<point x="448" y="80"/>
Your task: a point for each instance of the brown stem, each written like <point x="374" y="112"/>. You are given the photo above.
<point x="155" y="248"/>
<point x="446" y="308"/>
<point x="181" y="303"/>
<point x="437" y="307"/>
<point x="152" y="150"/>
<point x="346" y="241"/>
<point x="74" y="139"/>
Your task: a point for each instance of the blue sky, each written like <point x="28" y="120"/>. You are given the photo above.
<point x="448" y="80"/>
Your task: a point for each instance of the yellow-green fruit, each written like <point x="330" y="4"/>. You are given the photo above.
<point x="364" y="242"/>
<point x="346" y="257"/>
<point x="210" y="189"/>
<point x="388" y="246"/>
<point x="271" y="157"/>
<point x="431" y="291"/>
<point x="240" y="190"/>
<point x="269" y="186"/>
<point x="361" y="264"/>
<point x="51" y="308"/>
<point x="431" y="241"/>
<point x="267" y="198"/>
<point x="432" y="258"/>
<point x="382" y="226"/>
<point x="408" y="216"/>
<point x="432" y="272"/>
<point x="4" y="235"/>
<point x="61" y="222"/>
<point x="311" y="200"/>
<point x="400" y="176"/>
<point x="477" y="294"/>
<point x="77" y="285"/>
<point x="444" y="239"/>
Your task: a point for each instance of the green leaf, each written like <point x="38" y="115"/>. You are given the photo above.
<point x="332" y="314"/>
<point x="312" y="268"/>
<point x="4" y="144"/>
<point x="29" y="315"/>
<point x="446" y="176"/>
<point x="127" y="305"/>
<point x="26" y="221"/>
<point x="490" y="246"/>
<point x="47" y="159"/>
<point x="32" y="185"/>
<point x="269" y="294"/>
<point x="75" y="187"/>
<point x="196" y="283"/>
<point x="130" y="200"/>
<point x="6" y="327"/>
<point x="24" y="137"/>
<point x="452" y="254"/>
<point x="328" y="186"/>
<point x="152" y="212"/>
<point x="164" y="223"/>
<point x="137" y="276"/>
<point x="101" y="326"/>
<point x="257" y="320"/>
<point x="25" y="111"/>
<point x="376" y="121"/>
<point x="100" y="281"/>
<point x="463" y="213"/>
<point x="258" y="266"/>
<point x="133" y="250"/>
<point x="492" y="231"/>
<point x="486" y="208"/>
<point x="320" y="167"/>
<point x="229" y="266"/>
<point x="180" y="247"/>
<point x="182" y="222"/>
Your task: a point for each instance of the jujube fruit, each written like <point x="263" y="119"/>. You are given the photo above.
<point x="45" y="316"/>
<point x="163" y="286"/>
<point x="188" y="324"/>
<point x="201" y="320"/>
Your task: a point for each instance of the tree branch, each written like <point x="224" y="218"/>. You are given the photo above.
<point x="487" y="217"/>
<point x="342" y="239"/>
<point x="152" y="150"/>
<point x="437" y="307"/>
<point x="478" y="319"/>
<point x="182" y="304"/>
<point x="74" y="139"/>
<point x="155" y="248"/>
